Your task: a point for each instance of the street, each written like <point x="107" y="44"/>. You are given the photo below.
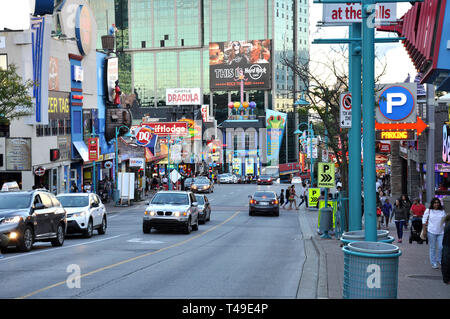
<point x="231" y="256"/>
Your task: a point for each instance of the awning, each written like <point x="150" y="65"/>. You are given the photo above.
<point x="82" y="150"/>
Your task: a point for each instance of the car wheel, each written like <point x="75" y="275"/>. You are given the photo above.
<point x="209" y="217"/>
<point x="195" y="227"/>
<point x="102" y="229"/>
<point x="188" y="227"/>
<point x="59" y="240"/>
<point x="27" y="239"/>
<point x="250" y="213"/>
<point x="89" y="230"/>
<point x="146" y="228"/>
<point x="277" y="213"/>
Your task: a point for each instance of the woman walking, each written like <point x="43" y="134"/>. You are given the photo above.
<point x="433" y="221"/>
<point x="399" y="215"/>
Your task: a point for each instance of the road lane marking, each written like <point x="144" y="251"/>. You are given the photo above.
<point x="140" y="240"/>
<point x="57" y="248"/>
<point x="132" y="259"/>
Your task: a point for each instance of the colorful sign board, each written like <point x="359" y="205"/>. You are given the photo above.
<point x="205" y="112"/>
<point x="183" y="96"/>
<point x="228" y="59"/>
<point x="326" y="175"/>
<point x="399" y="135"/>
<point x="346" y="13"/>
<point x="445" y="144"/>
<point x="275" y="124"/>
<point x="313" y="197"/>
<point x="419" y="126"/>
<point x="93" y="148"/>
<point x="169" y="128"/>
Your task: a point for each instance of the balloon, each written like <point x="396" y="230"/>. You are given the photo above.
<point x="252" y="105"/>
<point x="230" y="105"/>
<point x="237" y="104"/>
<point x="245" y="105"/>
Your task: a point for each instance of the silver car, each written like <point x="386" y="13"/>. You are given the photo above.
<point x="171" y="210"/>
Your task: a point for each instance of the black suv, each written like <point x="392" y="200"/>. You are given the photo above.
<point x="27" y="217"/>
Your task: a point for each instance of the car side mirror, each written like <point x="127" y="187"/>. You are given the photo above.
<point x="147" y="203"/>
<point x="195" y="204"/>
<point x="249" y="196"/>
<point x="38" y="206"/>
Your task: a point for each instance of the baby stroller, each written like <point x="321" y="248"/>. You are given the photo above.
<point x="416" y="228"/>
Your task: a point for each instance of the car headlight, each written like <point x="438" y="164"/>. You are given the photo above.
<point x="205" y="187"/>
<point x="149" y="213"/>
<point x="12" y="220"/>
<point x="79" y="214"/>
<point x="179" y="214"/>
<point x="193" y="186"/>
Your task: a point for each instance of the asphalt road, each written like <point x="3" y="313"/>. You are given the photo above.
<point x="232" y="256"/>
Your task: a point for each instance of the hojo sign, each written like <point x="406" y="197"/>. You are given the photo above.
<point x="169" y="128"/>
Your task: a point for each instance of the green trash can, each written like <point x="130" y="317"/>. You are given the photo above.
<point x="370" y="270"/>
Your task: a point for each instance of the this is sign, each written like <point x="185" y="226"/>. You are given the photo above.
<point x="396" y="103"/>
<point x="169" y="128"/>
<point x="313" y="197"/>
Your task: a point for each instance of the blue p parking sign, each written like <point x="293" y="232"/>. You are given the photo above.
<point x="396" y="103"/>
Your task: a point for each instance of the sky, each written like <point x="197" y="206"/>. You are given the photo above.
<point x="398" y="64"/>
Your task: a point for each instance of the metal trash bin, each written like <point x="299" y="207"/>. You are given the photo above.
<point x="326" y="221"/>
<point x="359" y="235"/>
<point x="370" y="270"/>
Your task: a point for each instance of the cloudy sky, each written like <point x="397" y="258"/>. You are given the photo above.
<point x="398" y="63"/>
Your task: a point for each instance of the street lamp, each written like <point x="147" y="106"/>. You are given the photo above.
<point x="311" y="136"/>
<point x="116" y="190"/>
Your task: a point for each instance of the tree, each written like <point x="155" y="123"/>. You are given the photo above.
<point x="323" y="94"/>
<point x="15" y="101"/>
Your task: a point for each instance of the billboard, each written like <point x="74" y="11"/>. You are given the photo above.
<point x="275" y="124"/>
<point x="183" y="96"/>
<point x="228" y="60"/>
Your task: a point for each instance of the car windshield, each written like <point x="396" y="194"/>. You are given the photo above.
<point x="201" y="181"/>
<point x="15" y="201"/>
<point x="264" y="195"/>
<point x="200" y="200"/>
<point x="188" y="180"/>
<point x="74" y="201"/>
<point x="170" y="199"/>
<point x="265" y="177"/>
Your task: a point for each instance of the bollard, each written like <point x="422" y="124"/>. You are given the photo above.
<point x="326" y="221"/>
<point x="370" y="270"/>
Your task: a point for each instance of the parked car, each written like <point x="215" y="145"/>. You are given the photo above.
<point x="239" y="179"/>
<point x="227" y="178"/>
<point x="85" y="212"/>
<point x="171" y="210"/>
<point x="204" y="208"/>
<point x="187" y="183"/>
<point x="202" y="185"/>
<point x="296" y="180"/>
<point x="28" y="217"/>
<point x="265" y="180"/>
<point x="265" y="202"/>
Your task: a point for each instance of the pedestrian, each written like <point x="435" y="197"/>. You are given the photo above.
<point x="407" y="205"/>
<point x="399" y="215"/>
<point x="287" y="197"/>
<point x="445" y="262"/>
<point x="417" y="209"/>
<point x="302" y="195"/>
<point x="387" y="209"/>
<point x="292" y="196"/>
<point x="281" y="197"/>
<point x="379" y="216"/>
<point x="432" y="220"/>
<point x="74" y="188"/>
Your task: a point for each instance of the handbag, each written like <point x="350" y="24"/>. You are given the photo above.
<point x="424" y="232"/>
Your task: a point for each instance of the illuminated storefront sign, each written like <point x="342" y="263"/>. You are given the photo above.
<point x="395" y="135"/>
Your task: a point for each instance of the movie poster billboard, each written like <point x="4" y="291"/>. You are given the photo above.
<point x="228" y="61"/>
<point x="275" y="124"/>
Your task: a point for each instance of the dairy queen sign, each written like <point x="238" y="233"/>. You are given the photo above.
<point x="183" y="96"/>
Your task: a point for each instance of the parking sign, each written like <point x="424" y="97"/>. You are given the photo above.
<point x="396" y="103"/>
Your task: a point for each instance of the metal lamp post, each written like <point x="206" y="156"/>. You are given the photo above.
<point x="311" y="136"/>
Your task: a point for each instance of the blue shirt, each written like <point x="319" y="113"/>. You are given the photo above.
<point x="387" y="208"/>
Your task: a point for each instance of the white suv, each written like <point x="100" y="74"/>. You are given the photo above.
<point x="85" y="212"/>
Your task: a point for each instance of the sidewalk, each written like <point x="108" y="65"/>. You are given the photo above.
<point x="416" y="278"/>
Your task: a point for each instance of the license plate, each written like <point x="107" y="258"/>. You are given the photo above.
<point x="264" y="203"/>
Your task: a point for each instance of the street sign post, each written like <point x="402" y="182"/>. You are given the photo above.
<point x="313" y="197"/>
<point x="345" y="110"/>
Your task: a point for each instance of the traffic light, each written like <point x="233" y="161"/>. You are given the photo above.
<point x="54" y="154"/>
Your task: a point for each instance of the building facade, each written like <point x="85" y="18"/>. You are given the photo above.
<point x="166" y="45"/>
